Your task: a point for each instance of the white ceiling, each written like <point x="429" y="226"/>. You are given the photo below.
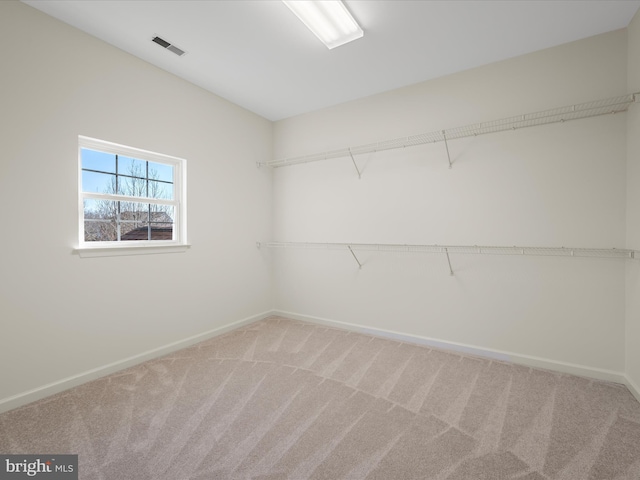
<point x="257" y="54"/>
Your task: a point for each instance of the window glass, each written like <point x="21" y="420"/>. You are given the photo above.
<point x="98" y="182"/>
<point x="160" y="190"/>
<point x="99" y="161"/>
<point x="132" y="167"/>
<point x="162" y="172"/>
<point x="100" y="220"/>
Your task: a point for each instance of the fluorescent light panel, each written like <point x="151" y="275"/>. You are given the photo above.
<point x="329" y="20"/>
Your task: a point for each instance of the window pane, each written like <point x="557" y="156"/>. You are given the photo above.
<point x="100" y="221"/>
<point x="135" y="220"/>
<point x="133" y="187"/>
<point x="134" y="232"/>
<point x="161" y="214"/>
<point x="160" y="190"/>
<point x="100" y="209"/>
<point x="100" y="231"/>
<point x="103" y="162"/>
<point x="161" y="222"/>
<point x="134" y="213"/>
<point x="140" y="221"/>
<point x="98" y="182"/>
<point x="140" y="232"/>
<point x="132" y="167"/>
<point x="150" y="231"/>
<point x="161" y="231"/>
<point x="159" y="171"/>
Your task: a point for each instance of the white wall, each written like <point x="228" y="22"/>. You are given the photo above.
<point x="61" y="315"/>
<point x="633" y="208"/>
<point x="556" y="185"/>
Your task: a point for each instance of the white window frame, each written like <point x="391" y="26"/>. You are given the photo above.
<point x="134" y="247"/>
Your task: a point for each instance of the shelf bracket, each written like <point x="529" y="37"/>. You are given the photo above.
<point x="357" y="170"/>
<point x="446" y="250"/>
<point x="446" y="145"/>
<point x="354" y="257"/>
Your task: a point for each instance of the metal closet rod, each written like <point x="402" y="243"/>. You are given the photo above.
<point x="561" y="114"/>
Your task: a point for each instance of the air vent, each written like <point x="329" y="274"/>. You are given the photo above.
<point x="172" y="48"/>
<point x="175" y="50"/>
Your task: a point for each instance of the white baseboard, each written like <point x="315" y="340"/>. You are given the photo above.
<point x="530" y="361"/>
<point x="24" y="398"/>
<point x="633" y="388"/>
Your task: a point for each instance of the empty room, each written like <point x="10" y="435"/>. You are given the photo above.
<point x="358" y="239"/>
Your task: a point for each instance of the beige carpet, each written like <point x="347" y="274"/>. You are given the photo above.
<point x="281" y="399"/>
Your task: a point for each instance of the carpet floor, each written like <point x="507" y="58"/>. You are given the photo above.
<point x="282" y="399"/>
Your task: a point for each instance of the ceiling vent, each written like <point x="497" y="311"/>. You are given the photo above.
<point x="172" y="48"/>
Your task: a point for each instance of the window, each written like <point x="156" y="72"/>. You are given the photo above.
<point x="129" y="198"/>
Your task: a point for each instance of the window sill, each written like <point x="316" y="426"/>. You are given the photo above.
<point x="87" y="252"/>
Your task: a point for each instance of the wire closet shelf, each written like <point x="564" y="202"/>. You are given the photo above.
<point x="572" y="112"/>
<point x="461" y="249"/>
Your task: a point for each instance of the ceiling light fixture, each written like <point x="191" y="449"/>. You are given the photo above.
<point x="329" y="20"/>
